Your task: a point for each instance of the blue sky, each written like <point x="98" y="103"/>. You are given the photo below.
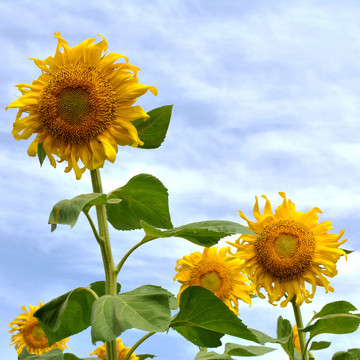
<point x="266" y="99"/>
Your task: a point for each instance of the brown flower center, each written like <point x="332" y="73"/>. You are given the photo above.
<point x="285" y="249"/>
<point x="77" y="104"/>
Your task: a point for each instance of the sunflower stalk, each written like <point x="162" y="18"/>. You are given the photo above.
<point x="108" y="261"/>
<point x="300" y="325"/>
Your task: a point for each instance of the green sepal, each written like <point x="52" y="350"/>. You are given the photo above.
<point x="54" y="354"/>
<point x="212" y="355"/>
<point x="204" y="233"/>
<point x="347" y="252"/>
<point x="145" y="308"/>
<point x="351" y="354"/>
<point x="41" y="153"/>
<point x="153" y="130"/>
<point x="284" y="330"/>
<point x="240" y="350"/>
<point x="66" y="315"/>
<point x="144" y="197"/>
<point x="67" y="211"/>
<point x="319" y="345"/>
<point x="203" y="319"/>
<point x="99" y="287"/>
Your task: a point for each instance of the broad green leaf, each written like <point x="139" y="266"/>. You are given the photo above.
<point x="67" y="211"/>
<point x="68" y="356"/>
<point x="204" y="233"/>
<point x="337" y="307"/>
<point x="263" y="338"/>
<point x="145" y="356"/>
<point x="41" y="153"/>
<point x="284" y="330"/>
<point x="99" y="287"/>
<point x="240" y="350"/>
<point x="145" y="308"/>
<point x="334" y="324"/>
<point x="351" y="354"/>
<point x="202" y="313"/>
<point x="153" y="130"/>
<point x="144" y="197"/>
<point x="54" y="354"/>
<point x="319" y="345"/>
<point x="211" y="355"/>
<point x="66" y="315"/>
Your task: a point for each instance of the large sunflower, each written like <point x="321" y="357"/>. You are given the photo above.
<point x="291" y="249"/>
<point x="216" y="272"/>
<point x="30" y="334"/>
<point x="122" y="350"/>
<point x="81" y="105"/>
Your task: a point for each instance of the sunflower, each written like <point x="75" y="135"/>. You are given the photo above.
<point x="296" y="340"/>
<point x="291" y="249"/>
<point x="81" y="106"/>
<point x="30" y="334"/>
<point x="122" y="350"/>
<point x="216" y="272"/>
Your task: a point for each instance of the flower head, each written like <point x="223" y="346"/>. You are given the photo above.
<point x="216" y="272"/>
<point x="81" y="106"/>
<point x="291" y="249"/>
<point x="30" y="334"/>
<point x="122" y="350"/>
<point x="296" y="340"/>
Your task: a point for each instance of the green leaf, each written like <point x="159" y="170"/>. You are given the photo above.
<point x="54" y="354"/>
<point x="153" y="130"/>
<point x="334" y="324"/>
<point x="99" y="287"/>
<point x="145" y="356"/>
<point x="66" y="315"/>
<point x="347" y="251"/>
<point x="68" y="356"/>
<point x="204" y="233"/>
<point x="67" y="211"/>
<point x="144" y="197"/>
<point x="284" y="330"/>
<point x="351" y="354"/>
<point x="337" y="307"/>
<point x="263" y="338"/>
<point x="145" y="308"/>
<point x="319" y="345"/>
<point x="41" y="153"/>
<point x="211" y="355"/>
<point x="240" y="350"/>
<point x="203" y="319"/>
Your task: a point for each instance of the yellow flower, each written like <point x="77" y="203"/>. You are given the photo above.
<point x="122" y="350"/>
<point x="216" y="272"/>
<point x="296" y="340"/>
<point x="30" y="334"/>
<point x="80" y="107"/>
<point x="291" y="249"/>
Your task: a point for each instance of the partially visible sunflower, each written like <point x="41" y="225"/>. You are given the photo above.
<point x="216" y="272"/>
<point x="80" y="107"/>
<point x="296" y="340"/>
<point x="122" y="350"/>
<point x="30" y="334"/>
<point x="291" y="249"/>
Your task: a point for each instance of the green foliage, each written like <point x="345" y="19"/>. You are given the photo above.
<point x="352" y="354"/>
<point x="319" y="345"/>
<point x="99" y="287"/>
<point x="145" y="356"/>
<point x="66" y="315"/>
<point x="336" y="307"/>
<point x="204" y="233"/>
<point x="54" y="354"/>
<point x="211" y="355"/>
<point x="203" y="319"/>
<point x="153" y="131"/>
<point x="284" y="331"/>
<point x="144" y="197"/>
<point x="145" y="308"/>
<point x="263" y="338"/>
<point x="41" y="153"/>
<point x="67" y="211"/>
<point x="240" y="350"/>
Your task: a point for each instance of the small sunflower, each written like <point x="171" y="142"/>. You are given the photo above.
<point x="122" y="350"/>
<point x="30" y="334"/>
<point x="81" y="106"/>
<point x="291" y="249"/>
<point x="296" y="340"/>
<point x="216" y="272"/>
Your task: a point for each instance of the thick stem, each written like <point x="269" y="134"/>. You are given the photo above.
<point x="299" y="324"/>
<point x="108" y="261"/>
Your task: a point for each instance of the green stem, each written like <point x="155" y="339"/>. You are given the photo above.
<point x="108" y="261"/>
<point x="127" y="356"/>
<point x="299" y="324"/>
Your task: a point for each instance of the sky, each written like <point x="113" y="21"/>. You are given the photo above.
<point x="266" y="99"/>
